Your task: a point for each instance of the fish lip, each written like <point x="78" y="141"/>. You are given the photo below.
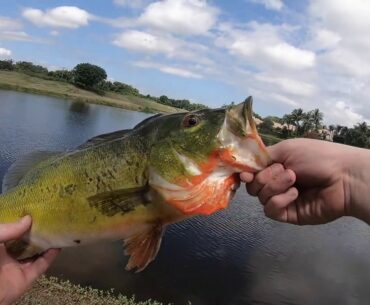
<point x="248" y="114"/>
<point x="241" y="127"/>
<point x="240" y="118"/>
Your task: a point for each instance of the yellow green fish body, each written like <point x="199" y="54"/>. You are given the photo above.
<point x="130" y="184"/>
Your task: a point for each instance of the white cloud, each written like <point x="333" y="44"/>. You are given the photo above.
<point x="5" y="53"/>
<point x="15" y="35"/>
<point x="167" y="45"/>
<point x="346" y="25"/>
<point x="62" y="16"/>
<point x="189" y="17"/>
<point x="178" y="71"/>
<point x="323" y="39"/>
<point x="11" y="29"/>
<point x="145" y="42"/>
<point x="263" y="45"/>
<point x="288" y="85"/>
<point x="340" y="112"/>
<point x="321" y="61"/>
<point x="54" y="33"/>
<point x="8" y="23"/>
<point x="270" y="4"/>
<point x="290" y="56"/>
<point x="131" y="3"/>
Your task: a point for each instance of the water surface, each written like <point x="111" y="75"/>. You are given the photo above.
<point x="236" y="256"/>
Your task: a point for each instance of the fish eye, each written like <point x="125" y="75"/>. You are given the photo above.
<point x="191" y="121"/>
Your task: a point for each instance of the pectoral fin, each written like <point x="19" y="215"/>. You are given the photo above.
<point x="119" y="201"/>
<point x="143" y="246"/>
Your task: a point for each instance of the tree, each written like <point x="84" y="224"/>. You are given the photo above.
<point x="63" y="75"/>
<point x="316" y="117"/>
<point x="163" y="99"/>
<point x="88" y="76"/>
<point x="297" y="117"/>
<point x="29" y="67"/>
<point x="6" y="65"/>
<point x="358" y="136"/>
<point x="307" y="123"/>
<point x="267" y="126"/>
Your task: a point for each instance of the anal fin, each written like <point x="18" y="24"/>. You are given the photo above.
<point x="143" y="247"/>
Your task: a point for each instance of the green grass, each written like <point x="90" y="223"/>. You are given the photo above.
<point x="270" y="139"/>
<point x="10" y="80"/>
<point x="51" y="290"/>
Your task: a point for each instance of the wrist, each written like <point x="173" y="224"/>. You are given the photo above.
<point x="357" y="183"/>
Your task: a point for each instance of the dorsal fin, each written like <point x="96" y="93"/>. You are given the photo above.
<point x="143" y="246"/>
<point x="22" y="166"/>
<point x="147" y="120"/>
<point x="104" y="138"/>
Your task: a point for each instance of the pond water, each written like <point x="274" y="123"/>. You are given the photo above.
<point x="236" y="256"/>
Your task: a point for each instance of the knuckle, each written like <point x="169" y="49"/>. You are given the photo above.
<point x="260" y="178"/>
<point x="276" y="169"/>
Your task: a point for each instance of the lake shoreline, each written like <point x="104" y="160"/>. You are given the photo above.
<point x="20" y="82"/>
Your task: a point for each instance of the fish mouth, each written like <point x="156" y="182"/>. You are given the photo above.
<point x="241" y="146"/>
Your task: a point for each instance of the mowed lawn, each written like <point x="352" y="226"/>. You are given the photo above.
<point x="10" y="80"/>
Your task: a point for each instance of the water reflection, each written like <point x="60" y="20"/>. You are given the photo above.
<point x="236" y="256"/>
<point x="79" y="107"/>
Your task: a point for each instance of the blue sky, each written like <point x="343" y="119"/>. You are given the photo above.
<point x="287" y="54"/>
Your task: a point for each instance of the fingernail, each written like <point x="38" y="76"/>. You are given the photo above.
<point x="25" y="219"/>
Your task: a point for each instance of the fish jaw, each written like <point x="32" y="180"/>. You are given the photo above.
<point x="241" y="147"/>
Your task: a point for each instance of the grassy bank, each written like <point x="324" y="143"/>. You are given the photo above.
<point x="10" y="80"/>
<point x="48" y="291"/>
<point x="270" y="139"/>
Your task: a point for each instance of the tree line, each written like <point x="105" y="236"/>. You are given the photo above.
<point x="93" y="78"/>
<point x="310" y="124"/>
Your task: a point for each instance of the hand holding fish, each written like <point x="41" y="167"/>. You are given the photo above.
<point x="17" y="277"/>
<point x="313" y="182"/>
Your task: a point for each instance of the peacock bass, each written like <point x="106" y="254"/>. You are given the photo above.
<point x="131" y="184"/>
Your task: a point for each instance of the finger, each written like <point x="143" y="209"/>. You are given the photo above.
<point x="40" y="265"/>
<point x="246" y="177"/>
<point x="14" y="230"/>
<point x="263" y="177"/>
<point x="281" y="151"/>
<point x="281" y="207"/>
<point x="278" y="185"/>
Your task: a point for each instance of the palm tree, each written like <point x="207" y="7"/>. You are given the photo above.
<point x="363" y="128"/>
<point x="297" y="117"/>
<point x="358" y="136"/>
<point x="288" y="120"/>
<point x="316" y="117"/>
<point x="307" y="122"/>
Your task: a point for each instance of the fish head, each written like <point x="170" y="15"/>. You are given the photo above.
<point x="197" y="156"/>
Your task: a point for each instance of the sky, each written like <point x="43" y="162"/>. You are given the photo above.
<point x="285" y="53"/>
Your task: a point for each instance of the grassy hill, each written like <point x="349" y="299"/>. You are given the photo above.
<point x="10" y="80"/>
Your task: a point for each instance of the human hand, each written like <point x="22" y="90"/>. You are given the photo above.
<point x="313" y="182"/>
<point x="16" y="277"/>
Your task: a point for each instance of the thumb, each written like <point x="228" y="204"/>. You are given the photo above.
<point x="280" y="151"/>
<point x="14" y="230"/>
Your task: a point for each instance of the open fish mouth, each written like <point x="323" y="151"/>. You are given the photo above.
<point x="241" y="145"/>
